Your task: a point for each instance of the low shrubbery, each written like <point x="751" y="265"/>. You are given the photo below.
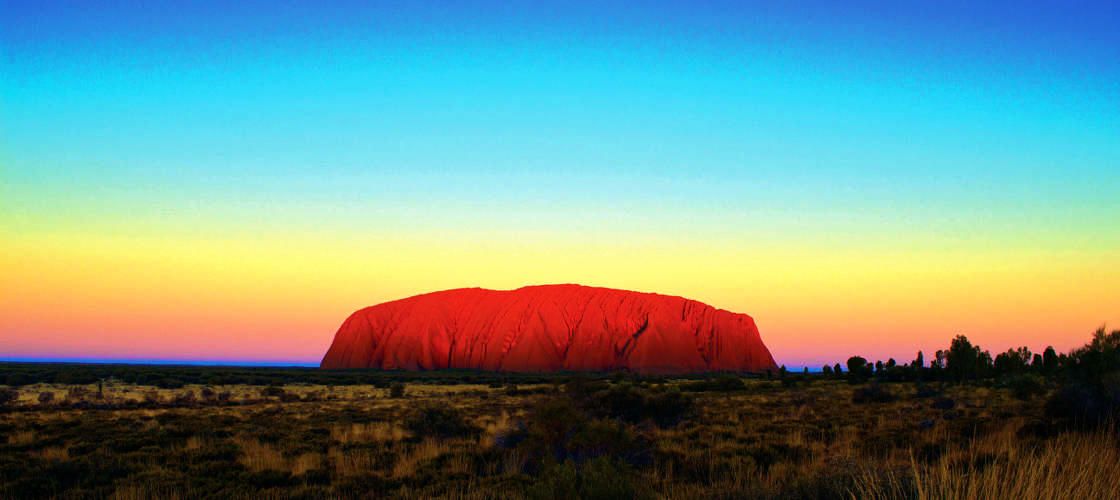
<point x="722" y="383"/>
<point x="396" y="390"/>
<point x="630" y="403"/>
<point x="7" y="396"/>
<point x="439" y="421"/>
<point x="1085" y="404"/>
<point x="1025" y="386"/>
<point x="600" y="478"/>
<point x="1090" y="393"/>
<point x="873" y="393"/>
<point x="557" y="430"/>
<point x="589" y="439"/>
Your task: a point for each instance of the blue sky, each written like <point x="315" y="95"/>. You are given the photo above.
<point x="983" y="128"/>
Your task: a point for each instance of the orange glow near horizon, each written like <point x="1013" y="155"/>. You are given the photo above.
<point x="281" y="299"/>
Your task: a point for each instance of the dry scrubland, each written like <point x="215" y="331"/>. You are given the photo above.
<point x="607" y="439"/>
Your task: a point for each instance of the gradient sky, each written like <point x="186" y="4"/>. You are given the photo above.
<point x="226" y="181"/>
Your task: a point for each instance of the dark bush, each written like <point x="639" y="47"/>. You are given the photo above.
<point x="925" y="391"/>
<point x="170" y="383"/>
<point x="1086" y="405"/>
<point x="185" y="398"/>
<point x="76" y="393"/>
<point x="1090" y="395"/>
<point x="440" y="421"/>
<point x="664" y="407"/>
<point x="7" y="396"/>
<point x="858" y="370"/>
<point x="546" y="430"/>
<point x="273" y="391"/>
<point x="1025" y="386"/>
<point x="609" y="438"/>
<point x="873" y="393"/>
<point x="944" y="404"/>
<point x="601" y="478"/>
<point x="151" y="398"/>
<point x="557" y="430"/>
<point x="269" y="479"/>
<point x="46" y="398"/>
<point x="722" y="383"/>
<point x="396" y="390"/>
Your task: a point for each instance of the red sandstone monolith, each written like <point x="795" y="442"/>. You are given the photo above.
<point x="549" y="328"/>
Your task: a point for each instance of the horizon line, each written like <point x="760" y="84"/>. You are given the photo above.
<point x="160" y="362"/>
<point x="226" y="363"/>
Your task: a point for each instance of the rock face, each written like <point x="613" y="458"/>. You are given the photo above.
<point x="549" y="328"/>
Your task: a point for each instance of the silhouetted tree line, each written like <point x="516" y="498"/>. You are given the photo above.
<point x="1087" y="379"/>
<point x="963" y="362"/>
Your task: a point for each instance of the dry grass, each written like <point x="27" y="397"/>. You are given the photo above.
<point x="348" y="463"/>
<point x="1072" y="465"/>
<point x="257" y="456"/>
<point x="427" y="449"/>
<point x="372" y="432"/>
<point x="55" y="453"/>
<point x="195" y="443"/>
<point x="306" y="462"/>
<point x="492" y="427"/>
<point x="21" y="438"/>
<point x="147" y="491"/>
<point x="765" y="441"/>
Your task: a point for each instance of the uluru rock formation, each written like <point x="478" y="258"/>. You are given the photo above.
<point x="549" y="328"/>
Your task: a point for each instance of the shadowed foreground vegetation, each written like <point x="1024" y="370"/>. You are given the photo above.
<point x="816" y="436"/>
